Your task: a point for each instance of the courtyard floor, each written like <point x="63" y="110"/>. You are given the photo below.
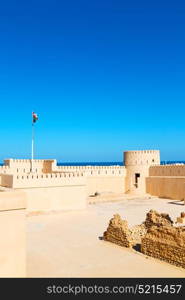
<point x="68" y="244"/>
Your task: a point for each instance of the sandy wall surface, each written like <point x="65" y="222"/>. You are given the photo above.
<point x="56" y="198"/>
<point x="102" y="184"/>
<point x="166" y="187"/>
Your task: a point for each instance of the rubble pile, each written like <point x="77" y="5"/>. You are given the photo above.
<point x="153" y="218"/>
<point x="157" y="236"/>
<point x="118" y="232"/>
<point x="166" y="243"/>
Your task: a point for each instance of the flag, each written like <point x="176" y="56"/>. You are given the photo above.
<point x="34" y="117"/>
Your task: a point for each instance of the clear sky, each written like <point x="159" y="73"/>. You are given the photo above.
<point x="104" y="76"/>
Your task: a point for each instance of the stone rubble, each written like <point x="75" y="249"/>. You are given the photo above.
<point x="156" y="236"/>
<point x="119" y="233"/>
<point x="157" y="219"/>
<point x="166" y="243"/>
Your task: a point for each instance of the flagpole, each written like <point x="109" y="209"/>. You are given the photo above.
<point x="34" y="119"/>
<point x="32" y="146"/>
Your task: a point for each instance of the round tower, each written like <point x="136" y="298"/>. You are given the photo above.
<point x="137" y="165"/>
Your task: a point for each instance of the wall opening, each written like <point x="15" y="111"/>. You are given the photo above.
<point x="137" y="175"/>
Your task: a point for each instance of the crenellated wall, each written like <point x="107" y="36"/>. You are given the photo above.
<point x="42" y="180"/>
<point x="166" y="181"/>
<point x="13" y="166"/>
<point x="4" y="169"/>
<point x="167" y="170"/>
<point x="142" y="173"/>
<point x="141" y="158"/>
<point x="54" y="191"/>
<point x="47" y="173"/>
<point x="101" y="179"/>
<point x="60" y="187"/>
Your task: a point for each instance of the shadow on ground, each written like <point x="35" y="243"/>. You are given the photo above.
<point x="177" y="202"/>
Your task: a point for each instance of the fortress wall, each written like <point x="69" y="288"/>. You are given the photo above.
<point x="14" y="166"/>
<point x="42" y="180"/>
<point x="92" y="170"/>
<point x="50" y="191"/>
<point x="103" y="184"/>
<point x="56" y="198"/>
<point x="167" y="170"/>
<point x="88" y="167"/>
<point x="6" y="180"/>
<point x="47" y="173"/>
<point x="101" y="178"/>
<point x="4" y="169"/>
<point x="106" y="172"/>
<point x="49" y="165"/>
<point x="171" y="187"/>
<point x="21" y="166"/>
<point x="12" y="234"/>
<point x="166" y="181"/>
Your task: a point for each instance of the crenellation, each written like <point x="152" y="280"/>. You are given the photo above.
<point x="141" y="173"/>
<point x="166" y="170"/>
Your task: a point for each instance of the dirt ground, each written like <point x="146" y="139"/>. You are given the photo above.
<point x="68" y="244"/>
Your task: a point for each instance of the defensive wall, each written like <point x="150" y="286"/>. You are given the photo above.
<point x="48" y="174"/>
<point x="25" y="166"/>
<point x="141" y="173"/>
<point x="49" y="191"/>
<point x="166" y="181"/>
<point x="101" y="179"/>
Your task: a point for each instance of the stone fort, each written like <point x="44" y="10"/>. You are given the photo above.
<point x="54" y="187"/>
<point x="50" y="187"/>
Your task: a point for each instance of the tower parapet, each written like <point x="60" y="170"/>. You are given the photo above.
<point x="142" y="158"/>
<point x="137" y="165"/>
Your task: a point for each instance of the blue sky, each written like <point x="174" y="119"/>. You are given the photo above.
<point x="104" y="76"/>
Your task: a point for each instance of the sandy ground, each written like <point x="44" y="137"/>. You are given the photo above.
<point x="67" y="244"/>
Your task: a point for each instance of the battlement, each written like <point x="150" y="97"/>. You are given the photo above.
<point x="90" y="167"/>
<point x="17" y="160"/>
<point x="94" y="170"/>
<point x="142" y="151"/>
<point x="167" y="170"/>
<point x="4" y="169"/>
<point x="141" y="157"/>
<point x="25" y="165"/>
<point x="42" y="180"/>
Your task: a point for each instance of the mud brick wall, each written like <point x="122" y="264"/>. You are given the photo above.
<point x="153" y="218"/>
<point x="118" y="232"/>
<point x="166" y="243"/>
